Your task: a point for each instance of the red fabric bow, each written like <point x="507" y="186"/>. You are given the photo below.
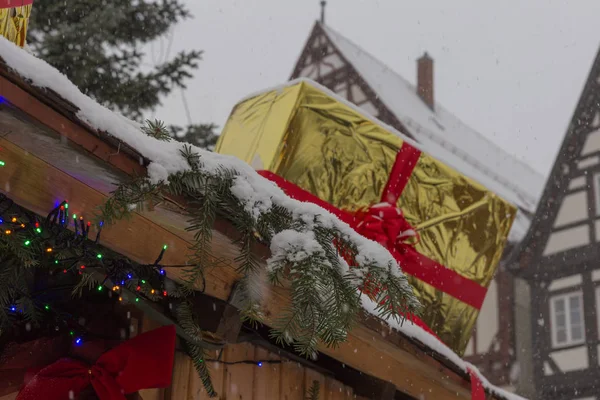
<point x="143" y="362"/>
<point x="386" y="225"/>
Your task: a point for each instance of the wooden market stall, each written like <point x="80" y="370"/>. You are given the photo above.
<point x="57" y="144"/>
<point x="50" y="153"/>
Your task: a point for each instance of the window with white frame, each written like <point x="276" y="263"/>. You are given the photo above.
<point x="566" y="313"/>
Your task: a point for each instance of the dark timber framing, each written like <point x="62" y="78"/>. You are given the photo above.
<point x="541" y="270"/>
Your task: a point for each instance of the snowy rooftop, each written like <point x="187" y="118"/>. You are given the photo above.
<point x="165" y="158"/>
<point x="446" y="137"/>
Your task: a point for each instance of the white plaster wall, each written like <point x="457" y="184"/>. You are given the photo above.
<point x="577" y="183"/>
<point x="574" y="208"/>
<point x="334" y="60"/>
<point x="588" y="162"/>
<point x="596" y="275"/>
<point x="571" y="359"/>
<point x="567" y="239"/>
<point x="592" y="143"/>
<point x="370" y="109"/>
<point x="358" y="96"/>
<point x="565" y="282"/>
<point x="487" y="322"/>
<point x="469" y="348"/>
<point x="547" y="369"/>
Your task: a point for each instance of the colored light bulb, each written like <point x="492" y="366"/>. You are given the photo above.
<point x="13" y="220"/>
<point x="99" y="256"/>
<point x="2" y="163"/>
<point x="46" y="307"/>
<point x="27" y="242"/>
<point x="165" y="247"/>
<point x="99" y="288"/>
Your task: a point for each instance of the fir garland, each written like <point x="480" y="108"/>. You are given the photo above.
<point x="325" y="293"/>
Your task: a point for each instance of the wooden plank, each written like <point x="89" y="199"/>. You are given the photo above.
<point x="137" y="238"/>
<point x="37" y="185"/>
<point x="267" y="379"/>
<point x="292" y="381"/>
<point x="348" y="393"/>
<point x="239" y="378"/>
<point x="310" y="377"/>
<point x="334" y="390"/>
<point x="181" y="378"/>
<point x="217" y="375"/>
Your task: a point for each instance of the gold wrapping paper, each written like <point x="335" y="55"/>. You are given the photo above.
<point x="330" y="149"/>
<point x="14" y="23"/>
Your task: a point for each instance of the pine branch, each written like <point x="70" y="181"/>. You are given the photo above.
<point x="157" y="130"/>
<point x="313" y="392"/>
<point x="185" y="318"/>
<point x="198" y="356"/>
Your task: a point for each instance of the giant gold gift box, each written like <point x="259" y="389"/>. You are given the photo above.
<point x="306" y="135"/>
<point x="14" y="20"/>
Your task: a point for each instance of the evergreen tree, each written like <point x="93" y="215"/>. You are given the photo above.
<point x="98" y="45"/>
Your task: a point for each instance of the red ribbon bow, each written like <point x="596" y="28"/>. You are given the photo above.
<point x="386" y="225"/>
<point x="143" y="362"/>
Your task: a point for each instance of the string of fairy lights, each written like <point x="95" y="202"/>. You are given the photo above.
<point x="62" y="244"/>
<point x="60" y="232"/>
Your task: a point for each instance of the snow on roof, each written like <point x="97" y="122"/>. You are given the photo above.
<point x="446" y="137"/>
<point x="252" y="187"/>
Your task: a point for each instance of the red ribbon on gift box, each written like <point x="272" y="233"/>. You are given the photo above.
<point x="14" y="3"/>
<point x="386" y="224"/>
<point x="143" y="362"/>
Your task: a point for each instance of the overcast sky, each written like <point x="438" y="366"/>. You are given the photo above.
<point x="511" y="69"/>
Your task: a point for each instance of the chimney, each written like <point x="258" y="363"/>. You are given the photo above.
<point x="425" y="79"/>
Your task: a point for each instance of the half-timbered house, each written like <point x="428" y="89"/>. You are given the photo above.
<point x="339" y="64"/>
<point x="560" y="259"/>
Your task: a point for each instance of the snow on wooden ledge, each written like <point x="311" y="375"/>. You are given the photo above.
<point x="253" y="189"/>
